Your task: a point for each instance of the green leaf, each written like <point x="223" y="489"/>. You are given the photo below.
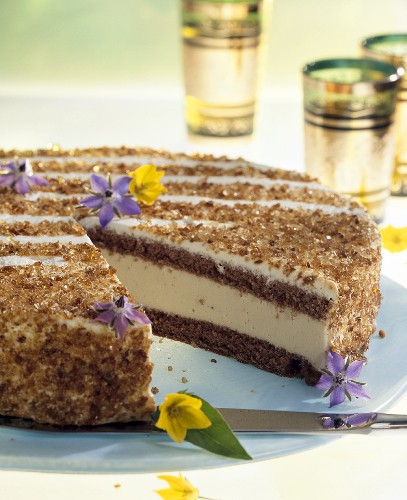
<point x="218" y="438"/>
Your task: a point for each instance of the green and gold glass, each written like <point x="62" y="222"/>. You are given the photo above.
<point x="392" y="48"/>
<point x="349" y="108"/>
<point x="220" y="48"/>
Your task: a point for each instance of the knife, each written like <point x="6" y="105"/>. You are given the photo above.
<point x="245" y="421"/>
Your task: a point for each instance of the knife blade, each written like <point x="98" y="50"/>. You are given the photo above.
<point x="244" y="421"/>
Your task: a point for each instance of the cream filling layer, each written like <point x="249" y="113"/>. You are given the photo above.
<point x="195" y="297"/>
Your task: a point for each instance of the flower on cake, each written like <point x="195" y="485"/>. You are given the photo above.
<point x="338" y="379"/>
<point x="394" y="239"/>
<point x="108" y="199"/>
<point x="145" y="184"/>
<point x="119" y="314"/>
<point x="18" y="175"/>
<point x="181" y="412"/>
<point x="179" y="489"/>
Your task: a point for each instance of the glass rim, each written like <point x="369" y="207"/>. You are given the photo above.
<point x="368" y="41"/>
<point x="392" y="75"/>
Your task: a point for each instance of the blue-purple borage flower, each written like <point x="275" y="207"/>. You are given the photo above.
<point x="108" y="199"/>
<point x="18" y="175"/>
<point x="338" y="379"/>
<point x="119" y="314"/>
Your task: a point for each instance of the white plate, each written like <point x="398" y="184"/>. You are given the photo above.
<point x="224" y="383"/>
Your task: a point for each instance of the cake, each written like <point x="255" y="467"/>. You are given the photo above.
<point x="256" y="263"/>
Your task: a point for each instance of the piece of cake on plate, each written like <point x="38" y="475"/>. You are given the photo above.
<point x="57" y="363"/>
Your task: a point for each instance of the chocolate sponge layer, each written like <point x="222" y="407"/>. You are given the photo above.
<point x="233" y="344"/>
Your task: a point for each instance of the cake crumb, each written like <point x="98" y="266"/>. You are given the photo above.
<point x="154" y="390"/>
<point x="213" y="360"/>
<point x="161" y="340"/>
<point x="382" y="334"/>
<point x="184" y="380"/>
<point x="169" y="368"/>
<point x="117" y="485"/>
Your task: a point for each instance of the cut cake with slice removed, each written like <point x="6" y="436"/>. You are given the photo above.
<point x="260" y="264"/>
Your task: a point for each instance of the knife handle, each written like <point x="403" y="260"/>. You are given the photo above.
<point x="389" y="421"/>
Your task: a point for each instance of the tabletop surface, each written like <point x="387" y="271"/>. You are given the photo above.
<point x="356" y="466"/>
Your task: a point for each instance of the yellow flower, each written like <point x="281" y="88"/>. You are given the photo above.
<point x="394" y="238"/>
<point x="181" y="412"/>
<point x="179" y="489"/>
<point x="146" y="185"/>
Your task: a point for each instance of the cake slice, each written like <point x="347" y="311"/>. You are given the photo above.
<point x="57" y="364"/>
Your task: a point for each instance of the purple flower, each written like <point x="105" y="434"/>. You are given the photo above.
<point x="108" y="200"/>
<point x="348" y="421"/>
<point x="18" y="175"/>
<point x="119" y="314"/>
<point x="338" y="379"/>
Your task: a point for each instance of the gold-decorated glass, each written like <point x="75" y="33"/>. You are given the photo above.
<point x="349" y="107"/>
<point x="392" y="48"/>
<point x="220" y="49"/>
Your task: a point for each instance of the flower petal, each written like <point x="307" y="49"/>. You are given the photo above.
<point x="99" y="183"/>
<point x="10" y="167"/>
<point x="179" y="488"/>
<point x="176" y="398"/>
<point x="106" y="316"/>
<point x="121" y="185"/>
<point x="37" y="180"/>
<point x="7" y="179"/>
<point x="191" y="418"/>
<point x="324" y="383"/>
<point x="356" y="390"/>
<point x="103" y="305"/>
<point x="337" y="397"/>
<point x="106" y="214"/>
<point x="354" y="369"/>
<point x="176" y="430"/>
<point x="21" y="186"/>
<point x="148" y="196"/>
<point x="93" y="201"/>
<point x="189" y="401"/>
<point x="126" y="206"/>
<point x="137" y="316"/>
<point x="120" y="324"/>
<point x="334" y="362"/>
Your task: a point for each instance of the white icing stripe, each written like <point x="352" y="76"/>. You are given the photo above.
<point x="258" y="181"/>
<point x="34" y="196"/>
<point x="222" y="180"/>
<point x="34" y="219"/>
<point x="147" y="159"/>
<point x="319" y="285"/>
<point x="20" y="260"/>
<point x="65" y="238"/>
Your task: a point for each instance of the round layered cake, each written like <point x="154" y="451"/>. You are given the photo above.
<point x="256" y="263"/>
